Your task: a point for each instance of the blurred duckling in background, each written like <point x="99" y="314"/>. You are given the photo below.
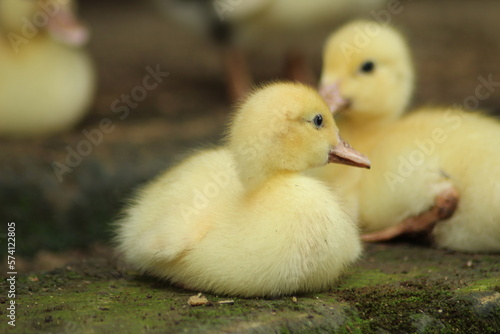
<point x="432" y="169"/>
<point x="47" y="80"/>
<point x="241" y="219"/>
<point x="288" y="29"/>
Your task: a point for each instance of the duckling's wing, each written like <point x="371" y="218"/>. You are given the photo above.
<point x="174" y="212"/>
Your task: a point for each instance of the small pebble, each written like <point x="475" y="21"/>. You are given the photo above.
<point x="198" y="300"/>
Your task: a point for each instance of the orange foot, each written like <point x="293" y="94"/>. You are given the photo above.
<point x="445" y="205"/>
<point x="238" y="75"/>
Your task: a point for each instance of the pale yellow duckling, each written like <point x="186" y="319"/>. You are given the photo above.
<point x="241" y="219"/>
<point x="47" y="80"/>
<point x="423" y="163"/>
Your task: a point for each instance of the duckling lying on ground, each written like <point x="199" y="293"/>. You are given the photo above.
<point x="241" y="219"/>
<point x="47" y="80"/>
<point x="432" y="169"/>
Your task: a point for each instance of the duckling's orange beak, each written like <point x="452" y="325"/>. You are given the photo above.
<point x="331" y="94"/>
<point x="344" y="154"/>
<point x="65" y="27"/>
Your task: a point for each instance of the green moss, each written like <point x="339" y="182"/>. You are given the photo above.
<point x="486" y="284"/>
<point x="361" y="278"/>
<point x="394" y="308"/>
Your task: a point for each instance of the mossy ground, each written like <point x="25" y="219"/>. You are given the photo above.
<point x="395" y="288"/>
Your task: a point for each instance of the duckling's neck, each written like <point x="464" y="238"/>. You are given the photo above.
<point x="357" y="119"/>
<point x="254" y="175"/>
<point x="253" y="179"/>
<point x="356" y="130"/>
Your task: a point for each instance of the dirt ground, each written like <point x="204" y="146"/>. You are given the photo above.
<point x="399" y="287"/>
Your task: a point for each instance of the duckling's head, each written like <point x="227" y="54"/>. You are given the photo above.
<point x="23" y="20"/>
<point x="369" y="65"/>
<point x="287" y="127"/>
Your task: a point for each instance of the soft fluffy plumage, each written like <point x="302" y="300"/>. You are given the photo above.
<point x="47" y="80"/>
<point x="415" y="157"/>
<point x="241" y="219"/>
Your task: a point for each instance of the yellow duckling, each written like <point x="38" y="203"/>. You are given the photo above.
<point x="242" y="219"/>
<point x="428" y="165"/>
<point x="47" y="80"/>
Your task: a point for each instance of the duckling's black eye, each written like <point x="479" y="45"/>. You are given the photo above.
<point x="318" y="121"/>
<point x="367" y="67"/>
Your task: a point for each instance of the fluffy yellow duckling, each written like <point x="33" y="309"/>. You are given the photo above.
<point x="241" y="219"/>
<point x="47" y="80"/>
<point x="424" y="162"/>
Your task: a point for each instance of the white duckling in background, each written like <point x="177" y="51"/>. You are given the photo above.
<point x="242" y="219"/>
<point x="47" y="79"/>
<point x="275" y="28"/>
<point x="433" y="170"/>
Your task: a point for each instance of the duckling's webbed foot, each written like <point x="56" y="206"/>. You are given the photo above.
<point x="445" y="205"/>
